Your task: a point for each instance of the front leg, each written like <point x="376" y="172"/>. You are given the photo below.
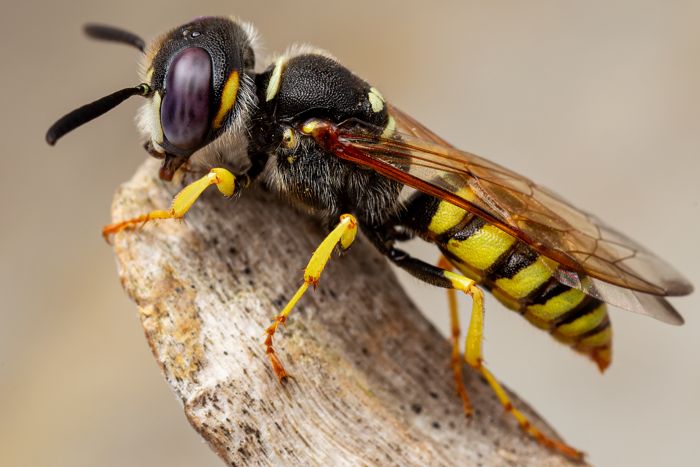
<point x="224" y="180"/>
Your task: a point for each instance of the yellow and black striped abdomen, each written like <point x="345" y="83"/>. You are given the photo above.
<point x="520" y="278"/>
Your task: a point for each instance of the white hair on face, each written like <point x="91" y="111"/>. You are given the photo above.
<point x="230" y="149"/>
<point x="253" y="36"/>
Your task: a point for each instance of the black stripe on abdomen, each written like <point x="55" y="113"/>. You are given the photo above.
<point x="517" y="258"/>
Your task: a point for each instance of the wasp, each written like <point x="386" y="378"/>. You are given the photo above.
<point x="329" y="142"/>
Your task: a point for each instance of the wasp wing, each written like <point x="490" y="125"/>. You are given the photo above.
<point x="592" y="256"/>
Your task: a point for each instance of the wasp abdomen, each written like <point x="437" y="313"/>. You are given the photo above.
<point x="518" y="276"/>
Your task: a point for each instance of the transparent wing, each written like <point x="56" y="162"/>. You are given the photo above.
<point x="593" y="257"/>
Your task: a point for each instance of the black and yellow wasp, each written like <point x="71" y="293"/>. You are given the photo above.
<point x="310" y="129"/>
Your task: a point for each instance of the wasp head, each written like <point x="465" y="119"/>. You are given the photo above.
<point x="198" y="79"/>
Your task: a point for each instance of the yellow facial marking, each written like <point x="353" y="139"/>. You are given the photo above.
<point x="483" y="248"/>
<point x="273" y="86"/>
<point x="157" y="135"/>
<point x="527" y="279"/>
<point x="376" y="100"/>
<point x="557" y="306"/>
<point x="228" y="98"/>
<point x="149" y="75"/>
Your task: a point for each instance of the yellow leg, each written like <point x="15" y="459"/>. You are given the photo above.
<point x="456" y="357"/>
<point x="473" y="356"/>
<point x="224" y="180"/>
<point x="343" y="235"/>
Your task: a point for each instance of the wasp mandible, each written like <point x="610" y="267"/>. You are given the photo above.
<point x="329" y="142"/>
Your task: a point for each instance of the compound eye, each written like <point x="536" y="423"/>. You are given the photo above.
<point x="186" y="108"/>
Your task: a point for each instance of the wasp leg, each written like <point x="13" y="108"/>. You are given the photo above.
<point x="456" y="358"/>
<point x="343" y="235"/>
<point x="473" y="355"/>
<point x="224" y="180"/>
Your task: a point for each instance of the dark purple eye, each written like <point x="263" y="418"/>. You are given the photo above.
<point x="184" y="114"/>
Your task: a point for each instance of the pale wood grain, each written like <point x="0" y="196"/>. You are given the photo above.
<point x="372" y="383"/>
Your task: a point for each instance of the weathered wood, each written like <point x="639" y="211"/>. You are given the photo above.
<point x="371" y="378"/>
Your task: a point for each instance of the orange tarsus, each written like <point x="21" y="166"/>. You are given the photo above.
<point x="112" y="229"/>
<point x="276" y="363"/>
<point x="544" y="440"/>
<point x="508" y="407"/>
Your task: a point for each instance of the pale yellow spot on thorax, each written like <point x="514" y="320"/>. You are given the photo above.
<point x="273" y="86"/>
<point x="376" y="100"/>
<point x="289" y="139"/>
<point x="389" y="128"/>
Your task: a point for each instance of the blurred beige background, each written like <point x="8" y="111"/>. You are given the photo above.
<point x="599" y="100"/>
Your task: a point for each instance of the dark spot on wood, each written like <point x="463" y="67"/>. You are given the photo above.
<point x="417" y="408"/>
<point x="243" y="452"/>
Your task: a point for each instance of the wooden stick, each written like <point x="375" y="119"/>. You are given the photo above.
<point x="371" y="381"/>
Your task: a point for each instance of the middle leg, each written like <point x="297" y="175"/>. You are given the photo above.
<point x="343" y="235"/>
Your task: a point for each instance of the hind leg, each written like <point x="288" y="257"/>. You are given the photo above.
<point x="473" y="347"/>
<point x="456" y="357"/>
<point x="343" y="235"/>
<point x="474" y="357"/>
